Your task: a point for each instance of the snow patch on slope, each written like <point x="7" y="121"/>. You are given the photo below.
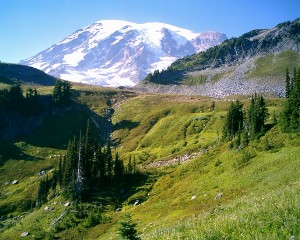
<point x="114" y="53"/>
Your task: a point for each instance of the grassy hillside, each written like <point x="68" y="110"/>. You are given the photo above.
<point x="25" y="74"/>
<point x="258" y="186"/>
<point x="275" y="65"/>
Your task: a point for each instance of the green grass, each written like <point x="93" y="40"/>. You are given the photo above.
<point x="155" y="127"/>
<point x="260" y="184"/>
<point x="275" y="215"/>
<point x="274" y="65"/>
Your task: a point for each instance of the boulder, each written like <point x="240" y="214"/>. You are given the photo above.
<point x="24" y="234"/>
<point x="219" y="195"/>
<point x="15" y="182"/>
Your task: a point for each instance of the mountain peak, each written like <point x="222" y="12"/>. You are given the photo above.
<point x="116" y="52"/>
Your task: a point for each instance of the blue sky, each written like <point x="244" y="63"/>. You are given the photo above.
<point x="30" y="26"/>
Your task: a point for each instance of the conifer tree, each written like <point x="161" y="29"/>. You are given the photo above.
<point x="127" y="228"/>
<point x="234" y="120"/>
<point x="87" y="157"/>
<point x="70" y="165"/>
<point x="118" y="168"/>
<point x="108" y="160"/>
<point x="257" y="113"/>
<point x="62" y="93"/>
<point x="129" y="166"/>
<point x="100" y="166"/>
<point x="287" y="83"/>
<point x="290" y="119"/>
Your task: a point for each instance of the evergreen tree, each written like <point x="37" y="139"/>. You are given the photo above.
<point x="234" y="120"/>
<point x="33" y="104"/>
<point x="79" y="174"/>
<point x="62" y="93"/>
<point x="60" y="172"/>
<point x="287" y="83"/>
<point x="290" y="119"/>
<point x="135" y="170"/>
<point x="42" y="191"/>
<point x="87" y="157"/>
<point x="257" y="114"/>
<point x="3" y="99"/>
<point x="108" y="160"/>
<point x="127" y="228"/>
<point x="100" y="166"/>
<point x="118" y="168"/>
<point x="70" y="166"/>
<point x="129" y="166"/>
<point x="15" y="97"/>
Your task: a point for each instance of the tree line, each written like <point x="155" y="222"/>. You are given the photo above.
<point x="86" y="167"/>
<point x="28" y="104"/>
<point x="290" y="119"/>
<point x="13" y="99"/>
<point x="246" y="124"/>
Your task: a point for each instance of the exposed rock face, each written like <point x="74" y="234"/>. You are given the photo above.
<point x="115" y="53"/>
<point x="253" y="62"/>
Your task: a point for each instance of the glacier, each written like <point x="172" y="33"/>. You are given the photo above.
<point x="120" y="53"/>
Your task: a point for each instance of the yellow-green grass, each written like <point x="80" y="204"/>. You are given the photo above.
<point x="274" y="65"/>
<point x="153" y="127"/>
<point x="260" y="196"/>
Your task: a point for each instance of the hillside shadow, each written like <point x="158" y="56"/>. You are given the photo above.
<point x="116" y="193"/>
<point x="10" y="151"/>
<point x="125" y="124"/>
<point x="66" y="123"/>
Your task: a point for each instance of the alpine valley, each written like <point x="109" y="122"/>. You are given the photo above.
<point x="120" y="53"/>
<point x="205" y="148"/>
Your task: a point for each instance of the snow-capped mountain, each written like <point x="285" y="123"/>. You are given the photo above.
<point x="120" y="53"/>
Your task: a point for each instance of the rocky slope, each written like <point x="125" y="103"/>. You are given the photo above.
<point x="254" y="62"/>
<point x="115" y="53"/>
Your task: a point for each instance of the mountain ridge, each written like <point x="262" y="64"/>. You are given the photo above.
<point x="234" y="66"/>
<point x="114" y="53"/>
<point x="25" y="74"/>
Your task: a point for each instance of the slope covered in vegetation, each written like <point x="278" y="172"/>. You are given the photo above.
<point x="183" y="177"/>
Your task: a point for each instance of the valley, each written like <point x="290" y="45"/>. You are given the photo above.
<point x="207" y="148"/>
<point x="174" y="200"/>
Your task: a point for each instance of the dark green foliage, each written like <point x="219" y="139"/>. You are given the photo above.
<point x="287" y="84"/>
<point x="24" y="73"/>
<point x="169" y="76"/>
<point x="87" y="167"/>
<point x="69" y="169"/>
<point x="118" y="169"/>
<point x="108" y="160"/>
<point x="33" y="105"/>
<point x="94" y="218"/>
<point x="127" y="228"/>
<point x="62" y="92"/>
<point x="12" y="99"/>
<point x="243" y="125"/>
<point x="43" y="190"/>
<point x="256" y="116"/>
<point x="234" y="120"/>
<point x="290" y="118"/>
